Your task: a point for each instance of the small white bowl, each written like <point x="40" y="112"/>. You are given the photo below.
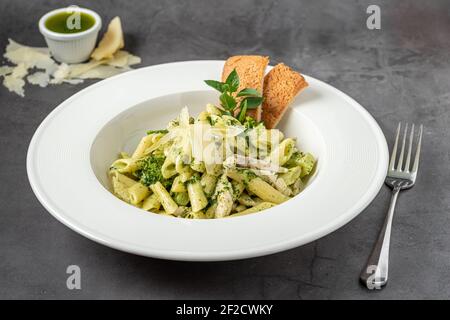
<point x="71" y="47"/>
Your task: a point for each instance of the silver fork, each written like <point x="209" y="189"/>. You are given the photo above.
<point x="399" y="177"/>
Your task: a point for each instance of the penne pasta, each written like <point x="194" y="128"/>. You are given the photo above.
<point x="257" y="208"/>
<point x="224" y="197"/>
<point x="282" y="152"/>
<point x="211" y="211"/>
<point x="120" y="190"/>
<point x="292" y="175"/>
<point x="181" y="198"/>
<point x="143" y="145"/>
<point x="246" y="200"/>
<point x="178" y="185"/>
<point x="265" y="191"/>
<point x="208" y="182"/>
<point x="125" y="165"/>
<point x="217" y="165"/>
<point x="128" y="182"/>
<point x="168" y="168"/>
<point x="152" y="203"/>
<point x="196" y="195"/>
<point x="138" y="192"/>
<point x="164" y="197"/>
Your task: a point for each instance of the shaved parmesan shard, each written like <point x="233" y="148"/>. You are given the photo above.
<point x="132" y="60"/>
<point x="76" y="70"/>
<point x="26" y="58"/>
<point x="123" y="59"/>
<point x="111" y="41"/>
<point x="120" y="59"/>
<point x="73" y="81"/>
<point x="104" y="68"/>
<point x="20" y="71"/>
<point x="14" y="84"/>
<point x="30" y="56"/>
<point x="5" y="70"/>
<point x="60" y="74"/>
<point x="107" y="61"/>
<point x="13" y="45"/>
<point x="101" y="72"/>
<point x="39" y="78"/>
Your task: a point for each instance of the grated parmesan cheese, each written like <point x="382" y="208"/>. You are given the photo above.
<point x="30" y="56"/>
<point x="20" y="71"/>
<point x="5" y="70"/>
<point x="39" y="78"/>
<point x="14" y="84"/>
<point x="60" y="74"/>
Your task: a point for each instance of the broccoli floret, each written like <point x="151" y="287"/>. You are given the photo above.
<point x="150" y="171"/>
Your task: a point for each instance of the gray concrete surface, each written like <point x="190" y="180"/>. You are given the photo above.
<point x="401" y="72"/>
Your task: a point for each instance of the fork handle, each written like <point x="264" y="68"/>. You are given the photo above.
<point x="375" y="273"/>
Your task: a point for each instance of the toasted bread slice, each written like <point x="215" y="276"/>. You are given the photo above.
<point x="251" y="75"/>
<point x="281" y="85"/>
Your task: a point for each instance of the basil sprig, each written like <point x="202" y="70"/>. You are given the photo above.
<point x="251" y="97"/>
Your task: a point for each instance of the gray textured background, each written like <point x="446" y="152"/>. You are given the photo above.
<point x="401" y="72"/>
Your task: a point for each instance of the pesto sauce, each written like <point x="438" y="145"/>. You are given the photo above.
<point x="58" y="22"/>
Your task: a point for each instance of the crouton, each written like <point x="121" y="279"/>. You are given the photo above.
<point x="281" y="85"/>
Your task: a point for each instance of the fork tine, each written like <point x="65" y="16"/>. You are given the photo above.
<point x="402" y="152"/>
<point x="416" y="159"/>
<point x="408" y="157"/>
<point x="394" y="149"/>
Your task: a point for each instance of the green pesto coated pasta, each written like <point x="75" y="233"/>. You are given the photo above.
<point x="234" y="167"/>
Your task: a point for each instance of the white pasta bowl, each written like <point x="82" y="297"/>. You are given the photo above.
<point x="72" y="149"/>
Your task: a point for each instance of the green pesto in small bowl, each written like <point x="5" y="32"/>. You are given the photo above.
<point x="59" y="22"/>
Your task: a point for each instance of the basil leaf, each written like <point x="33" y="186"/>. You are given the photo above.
<point x="253" y="102"/>
<point x="249" y="92"/>
<point x="215" y="84"/>
<point x="225" y="87"/>
<point x="227" y="101"/>
<point x="243" y="111"/>
<point x="233" y="81"/>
